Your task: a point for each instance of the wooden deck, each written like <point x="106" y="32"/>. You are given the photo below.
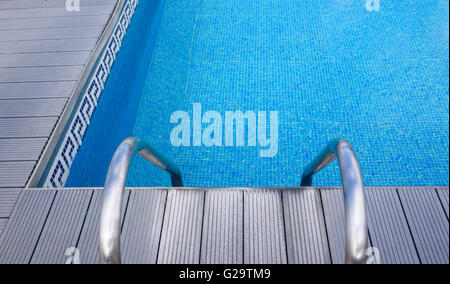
<point x="43" y="52"/>
<point x="189" y="226"/>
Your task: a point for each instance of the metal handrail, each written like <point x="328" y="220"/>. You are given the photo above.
<point x="110" y="219"/>
<point x="356" y="231"/>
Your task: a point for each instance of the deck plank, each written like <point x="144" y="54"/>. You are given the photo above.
<point x="41" y="46"/>
<point x="31" y="107"/>
<point x="51" y="33"/>
<point x="28" y="127"/>
<point x="389" y="228"/>
<point x="428" y="222"/>
<point x="182" y="228"/>
<point x="44" y="59"/>
<point x="63" y="226"/>
<point x="222" y="238"/>
<point x="306" y="237"/>
<point x="40" y="74"/>
<point x="22" y="232"/>
<point x="264" y="235"/>
<point x="36" y="90"/>
<point x="334" y="212"/>
<point x="21" y="4"/>
<point x="145" y="211"/>
<point x="53" y="22"/>
<point x="88" y="243"/>
<point x="25" y="149"/>
<point x="59" y="11"/>
<point x="443" y="196"/>
<point x="15" y="174"/>
<point x="3" y="222"/>
<point x="8" y="198"/>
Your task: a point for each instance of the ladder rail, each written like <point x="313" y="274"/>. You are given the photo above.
<point x="110" y="219"/>
<point x="356" y="228"/>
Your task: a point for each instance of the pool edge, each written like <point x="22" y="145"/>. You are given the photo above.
<point x="51" y="149"/>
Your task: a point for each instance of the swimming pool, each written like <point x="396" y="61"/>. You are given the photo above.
<point x="328" y="68"/>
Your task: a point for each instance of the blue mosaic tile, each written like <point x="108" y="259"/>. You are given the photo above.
<point x="330" y="68"/>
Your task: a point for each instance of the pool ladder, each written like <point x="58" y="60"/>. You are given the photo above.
<point x="356" y="230"/>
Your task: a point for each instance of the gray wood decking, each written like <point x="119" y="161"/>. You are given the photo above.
<point x="43" y="52"/>
<point x="407" y="225"/>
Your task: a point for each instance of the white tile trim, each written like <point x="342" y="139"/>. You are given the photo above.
<point x="59" y="171"/>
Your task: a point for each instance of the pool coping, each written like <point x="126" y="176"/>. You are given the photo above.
<point x="247" y="188"/>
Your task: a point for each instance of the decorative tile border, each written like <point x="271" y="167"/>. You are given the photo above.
<point x="59" y="171"/>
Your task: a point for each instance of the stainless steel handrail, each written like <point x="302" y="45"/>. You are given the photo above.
<point x="356" y="231"/>
<point x="110" y="219"/>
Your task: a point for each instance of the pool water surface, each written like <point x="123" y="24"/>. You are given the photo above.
<point x="331" y="69"/>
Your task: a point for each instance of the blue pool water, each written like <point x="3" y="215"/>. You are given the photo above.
<point x="330" y="68"/>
